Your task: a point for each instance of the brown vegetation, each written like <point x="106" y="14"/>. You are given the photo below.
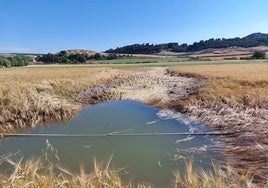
<point x="44" y="173"/>
<point x="151" y="86"/>
<point x="225" y="177"/>
<point x="234" y="99"/>
<point x="31" y="96"/>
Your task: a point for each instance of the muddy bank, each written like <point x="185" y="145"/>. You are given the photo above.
<point x="246" y="149"/>
<point x="155" y="87"/>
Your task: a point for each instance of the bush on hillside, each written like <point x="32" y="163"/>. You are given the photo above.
<point x="259" y="55"/>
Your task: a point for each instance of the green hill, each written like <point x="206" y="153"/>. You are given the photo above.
<point x="252" y="40"/>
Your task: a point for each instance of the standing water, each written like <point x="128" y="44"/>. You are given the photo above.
<point x="150" y="159"/>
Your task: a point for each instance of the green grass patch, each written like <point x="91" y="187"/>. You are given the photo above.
<point x="142" y="60"/>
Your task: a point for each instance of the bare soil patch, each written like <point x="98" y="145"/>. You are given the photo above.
<point x="152" y="86"/>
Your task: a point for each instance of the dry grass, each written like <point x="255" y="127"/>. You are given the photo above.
<point x="30" y="96"/>
<point x="244" y="84"/>
<point x="218" y="178"/>
<point x="234" y="98"/>
<point x="37" y="173"/>
<point x="47" y="171"/>
<point x="40" y="173"/>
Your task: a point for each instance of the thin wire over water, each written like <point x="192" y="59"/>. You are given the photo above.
<point x="113" y="134"/>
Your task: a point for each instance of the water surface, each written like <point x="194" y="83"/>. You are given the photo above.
<point x="145" y="158"/>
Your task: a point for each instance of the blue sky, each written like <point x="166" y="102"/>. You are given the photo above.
<point x="43" y="26"/>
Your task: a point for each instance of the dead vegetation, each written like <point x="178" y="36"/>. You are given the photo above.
<point x="152" y="86"/>
<point x="225" y="177"/>
<point x="234" y="99"/>
<point x="40" y="172"/>
<point x="31" y="96"/>
<point x="47" y="171"/>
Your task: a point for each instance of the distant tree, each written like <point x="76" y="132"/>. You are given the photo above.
<point x="14" y="61"/>
<point x="64" y="59"/>
<point x="81" y="58"/>
<point x="255" y="39"/>
<point x="98" y="56"/>
<point x="112" y="56"/>
<point x="5" y="62"/>
<point x="20" y="61"/>
<point x="62" y="53"/>
<point x="259" y="55"/>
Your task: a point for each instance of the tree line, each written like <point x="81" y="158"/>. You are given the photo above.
<point x="15" y="61"/>
<point x="255" y="39"/>
<point x="63" y="57"/>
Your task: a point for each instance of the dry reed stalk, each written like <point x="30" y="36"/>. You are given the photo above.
<point x="234" y="99"/>
<point x="31" y="96"/>
<point x="218" y="178"/>
<point x="37" y="173"/>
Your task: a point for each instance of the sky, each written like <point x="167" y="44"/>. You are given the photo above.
<point x="43" y="26"/>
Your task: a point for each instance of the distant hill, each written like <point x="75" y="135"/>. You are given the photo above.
<point x="252" y="40"/>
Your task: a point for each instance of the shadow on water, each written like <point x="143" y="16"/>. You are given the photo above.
<point x="146" y="158"/>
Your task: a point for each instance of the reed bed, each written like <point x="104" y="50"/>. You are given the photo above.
<point x="234" y="98"/>
<point x="225" y="177"/>
<point x="31" y="96"/>
<point x="41" y="173"/>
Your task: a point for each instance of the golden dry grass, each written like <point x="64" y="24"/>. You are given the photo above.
<point x="218" y="178"/>
<point x="246" y="84"/>
<point x="48" y="171"/>
<point x="39" y="172"/>
<point x="234" y="98"/>
<point x="30" y="96"/>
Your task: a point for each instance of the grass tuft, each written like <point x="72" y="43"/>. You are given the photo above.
<point x="218" y="178"/>
<point x="36" y="173"/>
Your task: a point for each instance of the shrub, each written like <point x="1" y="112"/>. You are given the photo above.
<point x="259" y="55"/>
<point x="5" y="62"/>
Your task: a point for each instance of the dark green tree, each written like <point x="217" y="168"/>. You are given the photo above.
<point x="5" y="62"/>
<point x="98" y="56"/>
<point x="259" y="55"/>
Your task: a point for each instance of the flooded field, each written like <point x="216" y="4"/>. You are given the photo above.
<point x="143" y="158"/>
